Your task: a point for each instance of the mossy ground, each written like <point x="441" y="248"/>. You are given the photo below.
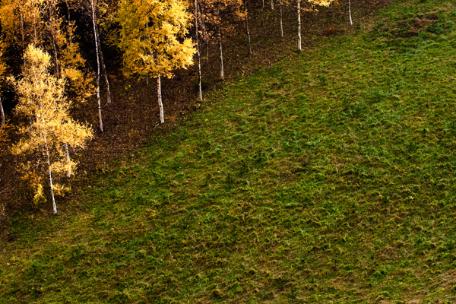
<point x="327" y="178"/>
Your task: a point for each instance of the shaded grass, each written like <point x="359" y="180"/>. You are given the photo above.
<point x="329" y="177"/>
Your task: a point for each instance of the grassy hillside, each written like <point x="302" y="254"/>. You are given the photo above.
<point x="328" y="178"/>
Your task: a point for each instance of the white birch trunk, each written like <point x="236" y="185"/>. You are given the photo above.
<point x="97" y="51"/>
<point x="160" y="100"/>
<point x="2" y="113"/>
<point x="350" y="12"/>
<point x="105" y="72"/>
<point x="222" y="67"/>
<point x="51" y="181"/>
<point x="281" y="19"/>
<point x="272" y="4"/>
<point x="35" y="33"/>
<point x="22" y="30"/>
<point x="198" y="53"/>
<point x="68" y="159"/>
<point x="299" y="26"/>
<point x="249" y="37"/>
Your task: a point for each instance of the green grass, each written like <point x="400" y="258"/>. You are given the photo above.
<point x="328" y="178"/>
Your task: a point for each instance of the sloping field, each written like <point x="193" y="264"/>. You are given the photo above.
<point x="327" y="178"/>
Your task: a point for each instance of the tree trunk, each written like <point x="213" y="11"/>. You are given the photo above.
<point x="247" y="25"/>
<point x="263" y="4"/>
<point x="160" y="100"/>
<point x="299" y="26"/>
<point x="56" y="57"/>
<point x="2" y="113"/>
<point x="97" y="51"/>
<point x="68" y="10"/>
<point x="105" y="72"/>
<point x="281" y="19"/>
<point x="222" y="67"/>
<point x="68" y="159"/>
<point x="350" y="12"/>
<point x="198" y="53"/>
<point x="272" y="4"/>
<point x="35" y="32"/>
<point x="51" y="182"/>
<point x="22" y="29"/>
<point x="53" y="42"/>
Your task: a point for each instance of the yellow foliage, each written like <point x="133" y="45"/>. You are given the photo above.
<point x="42" y="100"/>
<point x="153" y="37"/>
<point x="38" y="22"/>
<point x="325" y="3"/>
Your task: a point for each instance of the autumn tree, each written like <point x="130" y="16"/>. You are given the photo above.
<point x="197" y="21"/>
<point x="153" y="39"/>
<point x="93" y="9"/>
<point x="43" y="103"/>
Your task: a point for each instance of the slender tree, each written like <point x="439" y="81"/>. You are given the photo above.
<point x="153" y="39"/>
<point x="324" y="3"/>
<point x="43" y="102"/>
<point x="97" y="54"/>
<point x="281" y="18"/>
<point x="198" y="49"/>
<point x="219" y="17"/>
<point x="91" y="10"/>
<point x="247" y="26"/>
<point x="298" y="6"/>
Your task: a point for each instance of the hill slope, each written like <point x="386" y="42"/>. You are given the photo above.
<point x="328" y="177"/>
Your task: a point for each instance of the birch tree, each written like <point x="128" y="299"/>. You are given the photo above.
<point x="247" y="25"/>
<point x="153" y="40"/>
<point x="98" y="57"/>
<point x="43" y="103"/>
<point x="298" y="6"/>
<point x="219" y="17"/>
<point x="90" y="9"/>
<point x="196" y="16"/>
<point x="281" y="18"/>
<point x="52" y="33"/>
<point x="313" y="3"/>
<point x="282" y="3"/>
